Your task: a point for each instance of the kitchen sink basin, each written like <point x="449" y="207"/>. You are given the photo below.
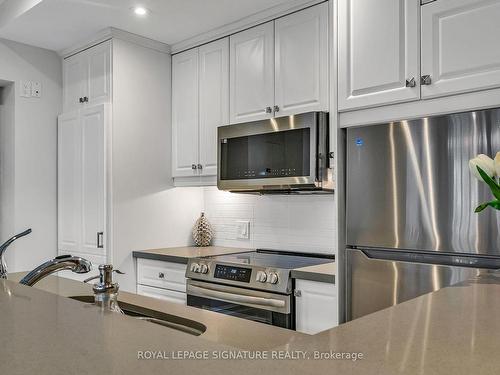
<point x="156" y="317"/>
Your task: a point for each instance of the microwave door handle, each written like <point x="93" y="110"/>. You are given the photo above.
<point x="237" y="298"/>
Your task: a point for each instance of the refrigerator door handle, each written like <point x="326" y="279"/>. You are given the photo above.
<point x="446" y="259"/>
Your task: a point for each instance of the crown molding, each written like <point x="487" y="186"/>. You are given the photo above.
<point x="113" y="33"/>
<point x="244" y="23"/>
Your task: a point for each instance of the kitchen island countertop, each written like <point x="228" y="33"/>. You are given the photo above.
<point x="455" y="330"/>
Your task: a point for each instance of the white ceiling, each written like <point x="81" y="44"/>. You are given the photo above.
<point x="58" y="24"/>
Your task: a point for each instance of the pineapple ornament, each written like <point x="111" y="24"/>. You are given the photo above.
<point x="202" y="231"/>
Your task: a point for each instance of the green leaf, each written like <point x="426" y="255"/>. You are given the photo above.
<point x="492" y="204"/>
<point x="495" y="188"/>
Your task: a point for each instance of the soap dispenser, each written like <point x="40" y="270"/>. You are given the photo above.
<point x="105" y="291"/>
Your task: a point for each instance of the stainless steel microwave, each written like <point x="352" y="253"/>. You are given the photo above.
<point x="282" y="155"/>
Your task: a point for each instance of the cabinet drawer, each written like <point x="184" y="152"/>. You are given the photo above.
<point x="163" y="294"/>
<point x="161" y="274"/>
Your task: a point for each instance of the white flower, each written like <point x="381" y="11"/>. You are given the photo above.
<point x="497" y="163"/>
<point x="485" y="163"/>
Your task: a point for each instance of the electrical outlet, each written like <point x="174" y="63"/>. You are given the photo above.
<point x="36" y="89"/>
<point x="26" y="89"/>
<point x="243" y="229"/>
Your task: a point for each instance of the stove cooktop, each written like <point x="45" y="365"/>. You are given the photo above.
<point x="270" y="259"/>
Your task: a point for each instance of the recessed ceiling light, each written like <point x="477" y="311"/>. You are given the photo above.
<point x="140" y="11"/>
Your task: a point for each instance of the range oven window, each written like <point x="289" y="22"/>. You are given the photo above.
<point x="241" y="311"/>
<point x="270" y="155"/>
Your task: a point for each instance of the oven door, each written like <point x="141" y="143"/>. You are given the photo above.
<point x="280" y="153"/>
<point x="268" y="308"/>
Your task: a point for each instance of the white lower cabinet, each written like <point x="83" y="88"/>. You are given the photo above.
<point x="82" y="183"/>
<point x="164" y="294"/>
<point x="160" y="279"/>
<point x="315" y="306"/>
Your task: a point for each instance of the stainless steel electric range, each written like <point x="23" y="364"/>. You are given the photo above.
<point x="254" y="285"/>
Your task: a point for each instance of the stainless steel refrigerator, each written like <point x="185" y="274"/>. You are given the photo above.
<point x="411" y="226"/>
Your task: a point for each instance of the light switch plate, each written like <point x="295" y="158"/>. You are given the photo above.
<point x="36" y="89"/>
<point x="243" y="229"/>
<point x="26" y="89"/>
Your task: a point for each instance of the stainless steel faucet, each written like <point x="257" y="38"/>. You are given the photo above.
<point x="4" y="246"/>
<point x="62" y="262"/>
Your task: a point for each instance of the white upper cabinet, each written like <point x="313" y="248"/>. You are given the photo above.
<point x="74" y="69"/>
<point x="214" y="100"/>
<point x="99" y="80"/>
<point x="252" y="74"/>
<point x="301" y="61"/>
<point x="378" y="52"/>
<point x="460" y="50"/>
<point x="87" y="77"/>
<point x="185" y="113"/>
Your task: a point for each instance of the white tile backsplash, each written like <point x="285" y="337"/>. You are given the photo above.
<point x="281" y="222"/>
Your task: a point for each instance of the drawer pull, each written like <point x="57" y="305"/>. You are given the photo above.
<point x="161" y="275"/>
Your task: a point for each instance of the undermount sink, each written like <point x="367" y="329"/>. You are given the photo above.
<point x="166" y="320"/>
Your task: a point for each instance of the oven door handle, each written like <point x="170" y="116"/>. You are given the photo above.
<point x="237" y="298"/>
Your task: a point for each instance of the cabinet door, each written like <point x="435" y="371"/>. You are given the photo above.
<point x="93" y="120"/>
<point x="252" y="74"/>
<point x="69" y="183"/>
<point x="301" y="70"/>
<point x="316" y="306"/>
<point x="460" y="46"/>
<point x="163" y="294"/>
<point x="98" y="73"/>
<point x="214" y="100"/>
<point x="74" y="68"/>
<point x="185" y="113"/>
<point x="378" y="52"/>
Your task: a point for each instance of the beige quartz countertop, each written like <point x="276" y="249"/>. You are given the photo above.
<point x="183" y="254"/>
<point x="322" y="272"/>
<point x="455" y="330"/>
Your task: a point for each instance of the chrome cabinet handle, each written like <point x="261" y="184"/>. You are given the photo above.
<point x="200" y="166"/>
<point x="100" y="242"/>
<point x="161" y="275"/>
<point x="276" y="108"/>
<point x="193" y="166"/>
<point x="425" y="80"/>
<point x="269" y="110"/>
<point x="411" y="82"/>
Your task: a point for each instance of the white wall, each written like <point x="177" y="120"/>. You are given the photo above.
<point x="281" y="222"/>
<point x="148" y="211"/>
<point x="35" y="152"/>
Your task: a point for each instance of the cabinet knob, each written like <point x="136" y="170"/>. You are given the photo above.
<point x="425" y="80"/>
<point x="411" y="82"/>
<point x="297" y="293"/>
<point x="269" y="110"/>
<point x="276" y="108"/>
<point x="80" y="100"/>
<point x="200" y="166"/>
<point x="86" y="99"/>
<point x="193" y="166"/>
<point x="161" y="275"/>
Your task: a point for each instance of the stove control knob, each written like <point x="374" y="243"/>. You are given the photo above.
<point x="272" y="278"/>
<point x="261" y="277"/>
<point x="195" y="267"/>
<point x="203" y="268"/>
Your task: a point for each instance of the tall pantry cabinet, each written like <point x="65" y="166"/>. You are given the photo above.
<point x="109" y="99"/>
